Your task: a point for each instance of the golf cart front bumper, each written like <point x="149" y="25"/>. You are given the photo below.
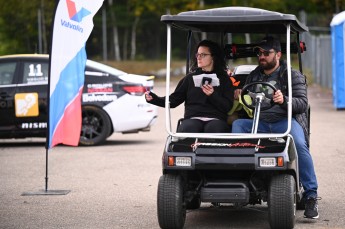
<point x="247" y="154"/>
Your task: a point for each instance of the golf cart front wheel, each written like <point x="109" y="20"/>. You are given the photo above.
<point x="282" y="201"/>
<point x="170" y="203"/>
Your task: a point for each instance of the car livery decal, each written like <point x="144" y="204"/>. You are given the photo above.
<point x="26" y="104"/>
<point x="101" y="93"/>
<point x="34" y="125"/>
<point x="99" y="97"/>
<point x="105" y="87"/>
<point x="36" y="73"/>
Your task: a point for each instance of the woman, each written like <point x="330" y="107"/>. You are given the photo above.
<point x="206" y="106"/>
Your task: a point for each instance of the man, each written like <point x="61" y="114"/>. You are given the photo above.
<point x="274" y="120"/>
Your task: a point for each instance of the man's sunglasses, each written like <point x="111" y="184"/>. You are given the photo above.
<point x="266" y="53"/>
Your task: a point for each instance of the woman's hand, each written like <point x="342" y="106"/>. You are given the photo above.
<point x="207" y="89"/>
<point x="148" y="97"/>
<point x="237" y="94"/>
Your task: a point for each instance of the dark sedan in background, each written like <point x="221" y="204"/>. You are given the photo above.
<point x="113" y="101"/>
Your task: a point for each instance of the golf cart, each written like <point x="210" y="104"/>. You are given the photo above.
<point x="228" y="168"/>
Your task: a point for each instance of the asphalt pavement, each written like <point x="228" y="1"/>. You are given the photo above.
<point x="115" y="185"/>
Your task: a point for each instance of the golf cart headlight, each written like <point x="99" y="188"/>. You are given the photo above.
<point x="268" y="162"/>
<point x="183" y="161"/>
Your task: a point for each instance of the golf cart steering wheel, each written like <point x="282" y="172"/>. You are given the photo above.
<point x="254" y="95"/>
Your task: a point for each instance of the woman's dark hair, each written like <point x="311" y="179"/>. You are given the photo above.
<point x="217" y="53"/>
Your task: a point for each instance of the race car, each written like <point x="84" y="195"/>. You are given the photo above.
<point x="112" y="102"/>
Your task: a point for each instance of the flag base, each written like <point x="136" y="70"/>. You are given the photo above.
<point x="46" y="192"/>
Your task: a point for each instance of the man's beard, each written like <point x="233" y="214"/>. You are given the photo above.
<point x="265" y="65"/>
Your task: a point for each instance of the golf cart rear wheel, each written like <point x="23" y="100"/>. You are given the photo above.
<point x="170" y="207"/>
<point x="282" y="201"/>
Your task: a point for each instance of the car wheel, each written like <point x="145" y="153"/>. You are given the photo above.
<point x="282" y="201"/>
<point x="170" y="208"/>
<point x="95" y="126"/>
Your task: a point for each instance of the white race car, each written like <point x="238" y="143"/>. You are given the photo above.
<point x="113" y="101"/>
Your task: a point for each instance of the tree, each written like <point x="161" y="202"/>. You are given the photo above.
<point x="115" y="32"/>
<point x="134" y="29"/>
<point x="19" y="25"/>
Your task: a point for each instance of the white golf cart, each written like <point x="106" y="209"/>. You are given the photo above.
<point x="237" y="169"/>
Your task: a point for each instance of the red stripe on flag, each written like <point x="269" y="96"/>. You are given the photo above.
<point x="68" y="130"/>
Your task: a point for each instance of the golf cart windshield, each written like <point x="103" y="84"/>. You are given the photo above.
<point x="234" y="20"/>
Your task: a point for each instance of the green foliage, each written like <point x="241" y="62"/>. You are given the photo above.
<point x="160" y="7"/>
<point x="19" y="22"/>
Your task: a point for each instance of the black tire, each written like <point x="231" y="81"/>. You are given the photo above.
<point x="96" y="126"/>
<point x="194" y="204"/>
<point x="170" y="207"/>
<point x="282" y="202"/>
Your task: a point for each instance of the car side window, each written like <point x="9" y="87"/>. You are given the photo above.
<point x="35" y="73"/>
<point x="7" y="73"/>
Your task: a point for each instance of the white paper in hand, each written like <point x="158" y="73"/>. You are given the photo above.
<point x="198" y="79"/>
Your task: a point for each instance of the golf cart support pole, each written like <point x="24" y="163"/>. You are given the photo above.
<point x="257" y="114"/>
<point x="288" y="60"/>
<point x="167" y="84"/>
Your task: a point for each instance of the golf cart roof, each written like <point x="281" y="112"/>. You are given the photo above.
<point x="235" y="20"/>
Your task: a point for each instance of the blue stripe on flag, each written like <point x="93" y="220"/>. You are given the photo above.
<point x="70" y="81"/>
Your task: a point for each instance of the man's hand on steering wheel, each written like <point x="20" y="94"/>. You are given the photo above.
<point x="278" y="97"/>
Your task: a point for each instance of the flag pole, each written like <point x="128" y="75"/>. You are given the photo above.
<point x="66" y="60"/>
<point x="46" y="178"/>
<point x="46" y="191"/>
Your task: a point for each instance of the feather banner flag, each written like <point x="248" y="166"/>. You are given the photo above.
<point x="73" y="23"/>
